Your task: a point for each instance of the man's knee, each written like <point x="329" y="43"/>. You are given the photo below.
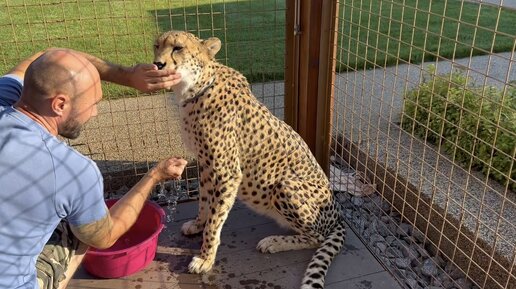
<point x="53" y="261"/>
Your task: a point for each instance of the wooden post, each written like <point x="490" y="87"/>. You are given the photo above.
<point x="291" y="62"/>
<point x="309" y="72"/>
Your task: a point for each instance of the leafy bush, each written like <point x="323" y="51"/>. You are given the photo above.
<point x="476" y="125"/>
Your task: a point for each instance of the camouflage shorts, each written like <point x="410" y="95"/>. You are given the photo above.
<point x="55" y="257"/>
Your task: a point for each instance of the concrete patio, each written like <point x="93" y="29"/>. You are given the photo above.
<point x="239" y="264"/>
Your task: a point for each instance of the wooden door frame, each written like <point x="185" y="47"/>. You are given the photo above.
<point x="310" y="72"/>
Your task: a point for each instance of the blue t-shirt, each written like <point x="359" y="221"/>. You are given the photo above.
<point x="42" y="180"/>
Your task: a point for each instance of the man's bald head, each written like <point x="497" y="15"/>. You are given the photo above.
<point x="58" y="71"/>
<point x="61" y="91"/>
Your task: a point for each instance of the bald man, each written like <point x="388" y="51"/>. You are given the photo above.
<point x="51" y="198"/>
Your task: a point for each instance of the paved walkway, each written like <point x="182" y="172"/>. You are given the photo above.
<point x="504" y="3"/>
<point x="239" y="265"/>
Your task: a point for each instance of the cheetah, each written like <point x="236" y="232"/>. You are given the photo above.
<point x="245" y="152"/>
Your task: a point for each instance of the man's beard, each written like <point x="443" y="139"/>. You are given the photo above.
<point x="71" y="129"/>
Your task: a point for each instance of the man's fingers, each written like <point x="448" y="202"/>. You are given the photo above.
<point x="165" y="78"/>
<point x="163" y="84"/>
<point x="159" y="86"/>
<point x="148" y="67"/>
<point x="147" y="78"/>
<point x="159" y="73"/>
<point x="176" y="167"/>
<point x="178" y="163"/>
<point x="162" y="81"/>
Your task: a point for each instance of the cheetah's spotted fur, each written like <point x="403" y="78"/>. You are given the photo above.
<point x="246" y="152"/>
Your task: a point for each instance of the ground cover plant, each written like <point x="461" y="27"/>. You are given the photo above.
<point x="475" y="125"/>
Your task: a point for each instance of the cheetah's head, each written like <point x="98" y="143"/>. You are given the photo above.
<point x="186" y="54"/>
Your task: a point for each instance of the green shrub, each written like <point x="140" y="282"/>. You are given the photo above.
<point x="476" y="125"/>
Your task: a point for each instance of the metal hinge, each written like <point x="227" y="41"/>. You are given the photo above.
<point x="297" y="18"/>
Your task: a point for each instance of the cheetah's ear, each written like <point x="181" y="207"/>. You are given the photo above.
<point x="213" y="45"/>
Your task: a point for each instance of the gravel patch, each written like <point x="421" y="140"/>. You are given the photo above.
<point x="398" y="245"/>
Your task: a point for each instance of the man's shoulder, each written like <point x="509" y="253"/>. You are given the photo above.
<point x="10" y="89"/>
<point x="11" y="78"/>
<point x="68" y="156"/>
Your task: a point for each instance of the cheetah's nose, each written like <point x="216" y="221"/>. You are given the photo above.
<point x="160" y="65"/>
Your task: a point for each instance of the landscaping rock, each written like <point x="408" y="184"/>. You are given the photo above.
<point x="402" y="263"/>
<point x="400" y="246"/>
<point x="429" y="268"/>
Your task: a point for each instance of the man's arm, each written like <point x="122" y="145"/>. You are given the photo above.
<point x="19" y="70"/>
<point x="144" y="77"/>
<point x="104" y="233"/>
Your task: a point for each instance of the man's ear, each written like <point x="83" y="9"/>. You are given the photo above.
<point x="213" y="45"/>
<point x="60" y="103"/>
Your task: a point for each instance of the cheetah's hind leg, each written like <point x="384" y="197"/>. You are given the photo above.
<point x="274" y="244"/>
<point x="297" y="214"/>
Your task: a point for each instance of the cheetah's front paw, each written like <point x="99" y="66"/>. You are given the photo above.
<point x="270" y="245"/>
<point x="200" y="265"/>
<point x="191" y="227"/>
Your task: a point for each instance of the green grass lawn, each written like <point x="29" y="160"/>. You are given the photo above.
<point x="383" y="33"/>
<point x="253" y="32"/>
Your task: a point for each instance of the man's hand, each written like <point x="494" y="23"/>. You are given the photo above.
<point x="147" y="78"/>
<point x="122" y="215"/>
<point x="170" y="168"/>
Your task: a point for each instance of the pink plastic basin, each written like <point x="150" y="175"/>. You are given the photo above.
<point x="133" y="251"/>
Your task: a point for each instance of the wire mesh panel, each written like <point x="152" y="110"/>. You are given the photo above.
<point x="133" y="130"/>
<point x="425" y="107"/>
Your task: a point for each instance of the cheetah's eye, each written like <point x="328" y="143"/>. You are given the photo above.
<point x="177" y="48"/>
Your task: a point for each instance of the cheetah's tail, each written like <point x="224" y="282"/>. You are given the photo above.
<point x="321" y="260"/>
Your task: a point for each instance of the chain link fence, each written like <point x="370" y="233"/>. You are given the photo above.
<point x="425" y="107"/>
<point x="134" y="130"/>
